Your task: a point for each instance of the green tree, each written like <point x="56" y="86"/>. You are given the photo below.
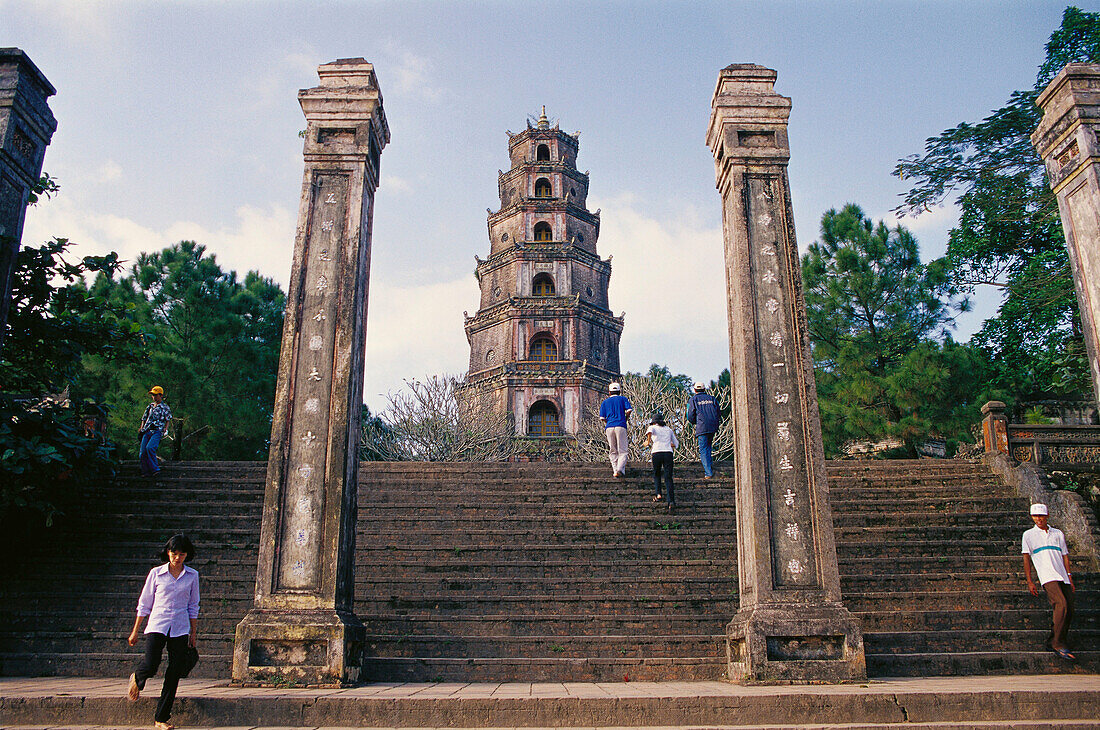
<point x="665" y="380"/>
<point x="55" y="320"/>
<point x="875" y="315"/>
<point x="1009" y="234"/>
<point x="213" y="344"/>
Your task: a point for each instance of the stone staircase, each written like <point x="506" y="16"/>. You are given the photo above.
<point x="550" y="572"/>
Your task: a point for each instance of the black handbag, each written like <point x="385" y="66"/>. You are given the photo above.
<point x="189" y="661"/>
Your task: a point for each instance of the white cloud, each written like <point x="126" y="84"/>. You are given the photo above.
<point x="258" y="239"/>
<point x="669" y="277"/>
<point x="415" y="331"/>
<point x="109" y="171"/>
<point x="409" y="74"/>
<point x="80" y="22"/>
<point x="396" y="184"/>
<point x="931" y="228"/>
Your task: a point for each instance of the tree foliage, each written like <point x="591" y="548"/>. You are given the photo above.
<point x="1009" y="234"/>
<point x="55" y="321"/>
<point x="876" y="317"/>
<point x="213" y="344"/>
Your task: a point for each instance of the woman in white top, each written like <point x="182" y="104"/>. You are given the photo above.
<point x="662" y="439"/>
<point x="170" y="600"/>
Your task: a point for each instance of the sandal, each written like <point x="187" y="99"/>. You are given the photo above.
<point x="134" y="692"/>
<point x="1064" y="654"/>
<point x="658" y="498"/>
<point x="163" y="726"/>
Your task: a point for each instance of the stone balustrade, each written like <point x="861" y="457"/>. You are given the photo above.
<point x="1050" y="446"/>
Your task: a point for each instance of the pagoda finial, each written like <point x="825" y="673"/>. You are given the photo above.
<point x="544" y="123"/>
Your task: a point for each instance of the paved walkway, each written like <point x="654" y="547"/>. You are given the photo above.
<point x="38" y="687"/>
<point x="84" y="695"/>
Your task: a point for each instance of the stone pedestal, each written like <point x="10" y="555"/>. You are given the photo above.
<point x="303" y="628"/>
<point x="791" y="626"/>
<point x="1066" y="139"/>
<point x="26" y="127"/>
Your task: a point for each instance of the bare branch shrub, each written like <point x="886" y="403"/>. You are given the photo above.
<point x="648" y="396"/>
<point x="427" y="422"/>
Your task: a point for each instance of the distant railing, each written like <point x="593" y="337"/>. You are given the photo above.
<point x="1054" y="447"/>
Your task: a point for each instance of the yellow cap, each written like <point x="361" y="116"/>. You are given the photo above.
<point x="156" y="390"/>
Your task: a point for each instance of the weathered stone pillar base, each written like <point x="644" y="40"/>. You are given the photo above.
<point x="789" y="643"/>
<point x="316" y="648"/>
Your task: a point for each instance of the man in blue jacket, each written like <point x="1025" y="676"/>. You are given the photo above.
<point x="614" y="411"/>
<point x="702" y="412"/>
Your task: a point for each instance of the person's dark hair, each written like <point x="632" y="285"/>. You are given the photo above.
<point x="657" y="419"/>
<point x="178" y="544"/>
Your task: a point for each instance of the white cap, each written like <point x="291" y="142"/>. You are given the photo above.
<point x="700" y="387"/>
<point x="614" y="388"/>
<point x="1038" y="509"/>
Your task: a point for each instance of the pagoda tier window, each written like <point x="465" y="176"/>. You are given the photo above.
<point x="542" y="286"/>
<point x="543" y="188"/>
<point x="543" y="232"/>
<point x="542" y="154"/>
<point x="542" y="421"/>
<point x="543" y="349"/>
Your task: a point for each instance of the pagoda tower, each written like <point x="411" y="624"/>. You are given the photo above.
<point x="544" y="341"/>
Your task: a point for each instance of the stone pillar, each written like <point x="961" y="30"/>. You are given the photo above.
<point x="791" y="625"/>
<point x="26" y="127"/>
<point x="302" y="627"/>
<point x="994" y="428"/>
<point x="1066" y="139"/>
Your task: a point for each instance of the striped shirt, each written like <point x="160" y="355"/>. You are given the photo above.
<point x="1046" y="548"/>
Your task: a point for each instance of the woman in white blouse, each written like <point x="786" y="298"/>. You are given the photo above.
<point x="170" y="601"/>
<point x="662" y="440"/>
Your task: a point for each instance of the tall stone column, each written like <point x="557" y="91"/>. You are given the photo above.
<point x="791" y="625"/>
<point x="303" y="627"/>
<point x="26" y="127"/>
<point x="1066" y="139"/>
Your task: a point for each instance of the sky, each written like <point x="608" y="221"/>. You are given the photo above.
<point x="180" y="121"/>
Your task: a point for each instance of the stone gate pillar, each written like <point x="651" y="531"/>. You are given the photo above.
<point x="303" y="627"/>
<point x="1066" y="139"/>
<point x="26" y="127"/>
<point x="791" y="625"/>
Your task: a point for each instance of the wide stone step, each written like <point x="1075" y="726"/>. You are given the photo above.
<point x="517" y="623"/>
<point x="853" y="546"/>
<point x="986" y="520"/>
<point x="991" y="619"/>
<point x="932" y="530"/>
<point x="1030" y="703"/>
<point x="593" y="669"/>
<point x="617" y="647"/>
<point x="463" y="587"/>
<point x="99" y="664"/>
<point x="975" y="641"/>
<point x="946" y="664"/>
<point x="552" y="605"/>
<point x="951" y="600"/>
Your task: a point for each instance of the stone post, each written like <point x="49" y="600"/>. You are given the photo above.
<point x="303" y="627"/>
<point x="26" y="127"/>
<point x="1066" y="139"/>
<point x="994" y="428"/>
<point x="791" y="625"/>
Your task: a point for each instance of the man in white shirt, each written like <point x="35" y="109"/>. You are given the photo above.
<point x="1045" y="548"/>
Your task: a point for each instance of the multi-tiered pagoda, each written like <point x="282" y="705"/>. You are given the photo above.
<point x="544" y="340"/>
